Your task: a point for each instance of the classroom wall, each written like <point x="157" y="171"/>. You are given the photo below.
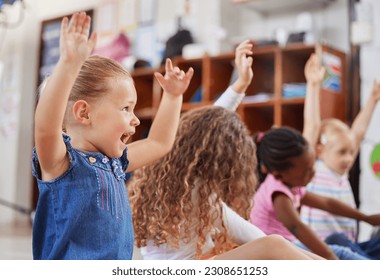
<point x="330" y="23"/>
<point x="18" y="55"/>
<point x="209" y="21"/>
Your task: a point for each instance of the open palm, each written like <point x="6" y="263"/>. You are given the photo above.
<point x="175" y="81"/>
<point x="74" y="42"/>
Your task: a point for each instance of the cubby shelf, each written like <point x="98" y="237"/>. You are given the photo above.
<point x="273" y="67"/>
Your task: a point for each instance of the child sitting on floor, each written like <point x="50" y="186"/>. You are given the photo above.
<point x="337" y="146"/>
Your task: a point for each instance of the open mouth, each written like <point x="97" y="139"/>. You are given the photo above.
<point x="125" y="137"/>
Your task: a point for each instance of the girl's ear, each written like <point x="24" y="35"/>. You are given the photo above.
<point x="263" y="169"/>
<point x="81" y="110"/>
<point x="277" y="175"/>
<point x="319" y="149"/>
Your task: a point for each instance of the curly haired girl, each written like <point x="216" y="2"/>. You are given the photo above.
<point x="194" y="202"/>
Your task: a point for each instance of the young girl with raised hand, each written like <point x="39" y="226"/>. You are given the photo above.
<point x="286" y="165"/>
<point x="337" y="146"/>
<point x="191" y="204"/>
<point x="83" y="210"/>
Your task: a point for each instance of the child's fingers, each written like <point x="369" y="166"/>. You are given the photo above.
<point x="310" y="61"/>
<point x="64" y="27"/>
<point x="160" y="78"/>
<point x="181" y="74"/>
<point x="73" y="22"/>
<point x="176" y="70"/>
<point x="245" y="44"/>
<point x="168" y="65"/>
<point x="249" y="61"/>
<point x="318" y="51"/>
<point x="242" y="52"/>
<point x="86" y="26"/>
<point x="376" y="88"/>
<point x="247" y="49"/>
<point x="189" y="74"/>
<point x="80" y="23"/>
<point x="322" y="71"/>
<point x="92" y="40"/>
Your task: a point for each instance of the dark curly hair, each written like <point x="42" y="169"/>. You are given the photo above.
<point x="276" y="148"/>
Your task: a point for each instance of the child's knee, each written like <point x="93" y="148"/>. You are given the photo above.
<point x="276" y="240"/>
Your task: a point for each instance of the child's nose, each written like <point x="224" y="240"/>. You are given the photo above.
<point x="135" y="121"/>
<point x="349" y="158"/>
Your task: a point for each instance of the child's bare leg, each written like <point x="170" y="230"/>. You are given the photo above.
<point x="281" y="249"/>
<point x="310" y="254"/>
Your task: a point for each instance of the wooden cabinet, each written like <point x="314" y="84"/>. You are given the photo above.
<point x="273" y="67"/>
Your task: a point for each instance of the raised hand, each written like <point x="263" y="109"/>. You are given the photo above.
<point x="314" y="71"/>
<point x="243" y="62"/>
<point x="175" y="81"/>
<point x="375" y="91"/>
<point x="75" y="45"/>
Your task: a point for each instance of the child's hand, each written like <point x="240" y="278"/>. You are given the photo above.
<point x="314" y="72"/>
<point x="375" y="91"/>
<point x="373" y="219"/>
<point x="175" y="81"/>
<point x="74" y="42"/>
<point x="243" y="62"/>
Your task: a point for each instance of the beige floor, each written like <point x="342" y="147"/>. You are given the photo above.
<point x="15" y="242"/>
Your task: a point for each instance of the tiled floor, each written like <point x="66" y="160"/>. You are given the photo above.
<point x="15" y="242"/>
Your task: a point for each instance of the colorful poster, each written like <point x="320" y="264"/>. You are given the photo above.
<point x="333" y="76"/>
<point x="375" y="160"/>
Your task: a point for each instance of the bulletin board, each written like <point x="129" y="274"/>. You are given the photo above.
<point x="49" y="45"/>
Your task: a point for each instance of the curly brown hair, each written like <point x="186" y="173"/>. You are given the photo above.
<point x="212" y="152"/>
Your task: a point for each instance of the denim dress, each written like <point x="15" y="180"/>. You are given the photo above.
<point x="85" y="213"/>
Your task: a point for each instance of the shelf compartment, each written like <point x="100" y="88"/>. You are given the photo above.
<point x="143" y="80"/>
<point x="292" y="115"/>
<point x="258" y="118"/>
<point x="219" y="69"/>
<point x="263" y="71"/>
<point x="294" y="58"/>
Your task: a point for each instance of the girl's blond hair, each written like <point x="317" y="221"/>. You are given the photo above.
<point x="96" y="77"/>
<point x="331" y="128"/>
<point x="212" y="152"/>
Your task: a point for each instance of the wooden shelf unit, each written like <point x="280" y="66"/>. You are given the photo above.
<point x="273" y="66"/>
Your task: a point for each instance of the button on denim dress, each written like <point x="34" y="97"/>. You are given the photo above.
<point x="85" y="213"/>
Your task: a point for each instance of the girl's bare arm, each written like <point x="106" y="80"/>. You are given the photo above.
<point x="164" y="127"/>
<point x="75" y="47"/>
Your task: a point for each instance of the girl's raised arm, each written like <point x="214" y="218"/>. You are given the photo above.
<point x="164" y="127"/>
<point x="362" y="120"/>
<point x="314" y="73"/>
<point x="75" y="47"/>
<point x="234" y="94"/>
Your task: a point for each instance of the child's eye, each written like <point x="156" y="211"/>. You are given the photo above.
<point x="126" y="109"/>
